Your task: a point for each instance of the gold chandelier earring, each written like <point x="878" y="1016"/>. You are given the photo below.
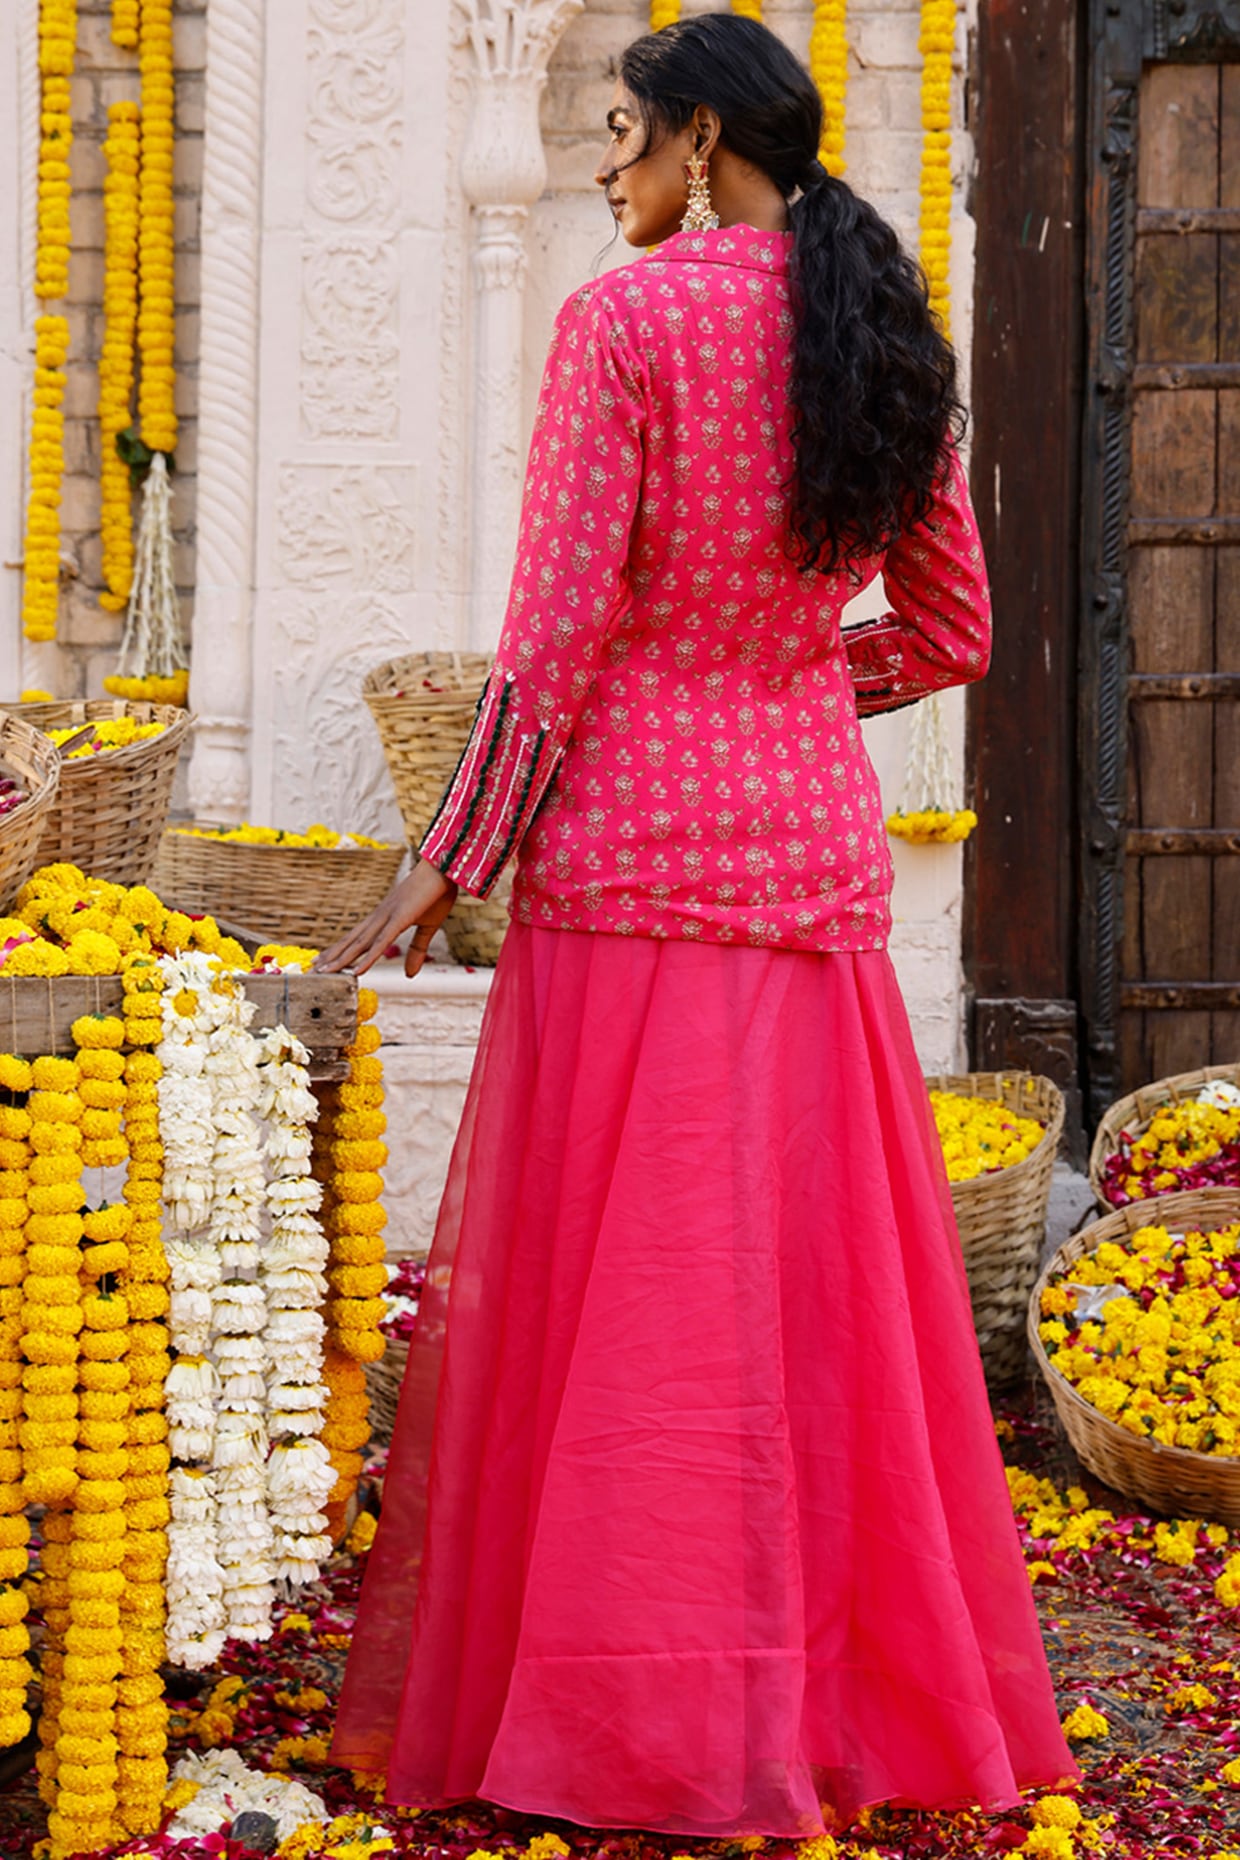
<point x="700" y="216"/>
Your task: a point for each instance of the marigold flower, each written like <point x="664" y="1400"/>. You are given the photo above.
<point x="15" y="1074"/>
<point x="1049" y="1843"/>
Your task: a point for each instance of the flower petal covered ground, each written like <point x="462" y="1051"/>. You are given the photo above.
<point x="1141" y="1619"/>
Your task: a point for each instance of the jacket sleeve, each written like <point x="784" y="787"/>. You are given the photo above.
<point x="938" y="632"/>
<point x="569" y="584"/>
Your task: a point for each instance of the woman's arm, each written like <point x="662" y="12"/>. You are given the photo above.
<point x="581" y="492"/>
<point x="938" y="632"/>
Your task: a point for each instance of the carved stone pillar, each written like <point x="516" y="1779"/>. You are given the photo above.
<point x="219" y="775"/>
<point x="503" y="172"/>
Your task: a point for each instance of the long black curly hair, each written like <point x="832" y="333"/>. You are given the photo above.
<point x="873" y="383"/>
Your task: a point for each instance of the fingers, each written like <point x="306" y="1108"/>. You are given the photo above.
<point x="362" y="946"/>
<point x="408" y="903"/>
<point x="419" y="946"/>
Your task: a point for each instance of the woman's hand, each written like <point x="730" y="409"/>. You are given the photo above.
<point x="423" y="898"/>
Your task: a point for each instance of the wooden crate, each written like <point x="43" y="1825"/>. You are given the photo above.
<point x="36" y="1015"/>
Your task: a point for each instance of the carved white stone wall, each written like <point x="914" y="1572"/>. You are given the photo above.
<point x="503" y="171"/>
<point x="219" y="777"/>
<point x="351" y="240"/>
<point x="430" y="1033"/>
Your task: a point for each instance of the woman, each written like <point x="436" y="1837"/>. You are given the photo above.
<point x="694" y="1518"/>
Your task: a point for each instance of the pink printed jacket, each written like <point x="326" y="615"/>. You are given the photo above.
<point x="669" y="737"/>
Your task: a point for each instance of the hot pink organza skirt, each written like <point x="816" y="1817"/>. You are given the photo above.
<point x="695" y="1519"/>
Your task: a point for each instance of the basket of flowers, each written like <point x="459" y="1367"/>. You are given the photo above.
<point x="423" y="705"/>
<point x="406" y="1278"/>
<point x="1133" y="1327"/>
<point x="290" y="887"/>
<point x="1000" y="1135"/>
<point x="30" y="768"/>
<point x="1172" y="1137"/>
<point x="119" y="761"/>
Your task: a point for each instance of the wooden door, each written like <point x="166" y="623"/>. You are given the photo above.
<point x="1161" y="618"/>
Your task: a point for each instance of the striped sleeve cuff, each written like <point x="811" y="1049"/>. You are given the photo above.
<point x="501" y="778"/>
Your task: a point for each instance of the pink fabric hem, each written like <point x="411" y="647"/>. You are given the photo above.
<point x="695" y="1519"/>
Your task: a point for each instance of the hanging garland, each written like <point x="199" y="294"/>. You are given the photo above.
<point x="935" y="42"/>
<point x="125" y="24"/>
<point x="41" y="580"/>
<point x="57" y="43"/>
<point x="828" y="64"/>
<point x="152" y="654"/>
<point x="92" y="1405"/>
<point x="293" y="1274"/>
<point x="156" y="250"/>
<point x="116" y="371"/>
<point x="667" y="12"/>
<point x="15" y="1392"/>
<point x="926" y="814"/>
<point x="141" y="1712"/>
<point x="349" y="1153"/>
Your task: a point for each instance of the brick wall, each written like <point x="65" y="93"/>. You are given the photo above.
<point x="104" y="74"/>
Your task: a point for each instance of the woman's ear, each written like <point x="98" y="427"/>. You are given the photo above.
<point x="705" y="126"/>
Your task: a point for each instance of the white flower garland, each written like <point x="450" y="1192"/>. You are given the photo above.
<point x="299" y="1473"/>
<point x="245" y="1320"/>
<point x="239" y="1319"/>
<point x="195" y="1630"/>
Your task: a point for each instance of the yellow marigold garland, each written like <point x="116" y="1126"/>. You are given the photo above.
<point x="41" y="580"/>
<point x="748" y="9"/>
<point x="120" y="312"/>
<point x="156" y="331"/>
<point x="663" y="13"/>
<point x="151" y="689"/>
<point x="125" y="24"/>
<point x="58" y="1459"/>
<point x="348" y="1157"/>
<point x="828" y="64"/>
<point x="141" y="1713"/>
<point x="41" y="583"/>
<point x="51" y="1300"/>
<point x="935" y="42"/>
<point x="927" y="826"/>
<point x="57" y="43"/>
<point x="15" y="1670"/>
<point x="87" y="1751"/>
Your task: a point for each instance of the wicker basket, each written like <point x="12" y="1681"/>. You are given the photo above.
<point x="1002" y="1217"/>
<point x="383" y="1380"/>
<point x="285" y="894"/>
<point x="1136" y="1112"/>
<point x="423" y="706"/>
<point x="26" y="753"/>
<point x="1168" y="1479"/>
<point x="110" y="809"/>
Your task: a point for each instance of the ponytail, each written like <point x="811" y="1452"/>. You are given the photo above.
<point x="873" y="384"/>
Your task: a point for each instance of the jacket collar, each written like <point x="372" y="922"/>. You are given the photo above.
<point x="729" y="245"/>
